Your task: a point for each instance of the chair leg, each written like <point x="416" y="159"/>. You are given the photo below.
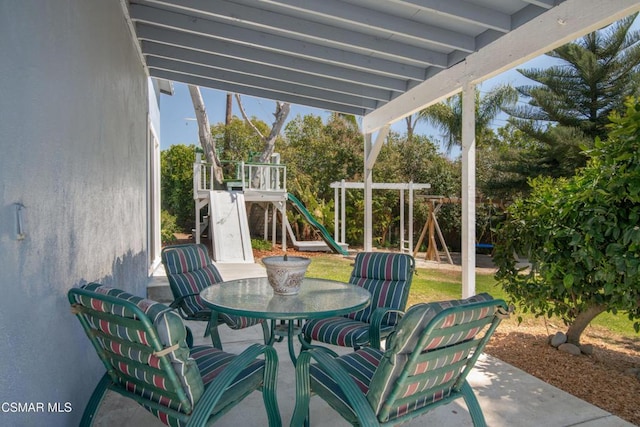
<point x="95" y="400"/>
<point x="212" y="329"/>
<point x="472" y="404"/>
<point x="266" y="332"/>
<point x="269" y="395"/>
<point x="300" y="415"/>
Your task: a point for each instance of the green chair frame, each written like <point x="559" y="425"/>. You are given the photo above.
<point x="379" y="319"/>
<point x="204" y="314"/>
<point x="386" y="391"/>
<point x="128" y="322"/>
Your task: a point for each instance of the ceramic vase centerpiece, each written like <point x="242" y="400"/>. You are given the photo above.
<point x="285" y="273"/>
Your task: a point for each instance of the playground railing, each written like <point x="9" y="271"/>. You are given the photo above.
<point x="252" y="176"/>
<point x="264" y="177"/>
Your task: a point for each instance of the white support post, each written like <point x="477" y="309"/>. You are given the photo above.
<point x="368" y="183"/>
<point x="402" y="233"/>
<point x="468" y="191"/>
<point x="336" y="214"/>
<point x="410" y="216"/>
<point x="371" y="152"/>
<point x="284" y="225"/>
<point x="265" y="234"/>
<point x="274" y="225"/>
<point x="343" y="211"/>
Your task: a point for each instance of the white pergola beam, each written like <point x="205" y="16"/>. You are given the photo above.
<point x="153" y="50"/>
<point x="275" y="43"/>
<point x="466" y="12"/>
<point x="313" y="31"/>
<point x="199" y="43"/>
<point x="562" y="24"/>
<point x="375" y="149"/>
<point x="359" y="16"/>
<point x="253" y="91"/>
<point x="260" y="82"/>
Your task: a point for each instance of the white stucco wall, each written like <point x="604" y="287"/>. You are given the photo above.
<point x="73" y="131"/>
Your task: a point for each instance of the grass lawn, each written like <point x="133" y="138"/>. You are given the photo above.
<point x="435" y="285"/>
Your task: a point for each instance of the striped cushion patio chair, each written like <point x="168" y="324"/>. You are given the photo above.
<point x="142" y="345"/>
<point x="425" y="365"/>
<point x="189" y="270"/>
<point x="388" y="277"/>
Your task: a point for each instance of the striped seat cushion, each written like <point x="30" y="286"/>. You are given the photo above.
<point x="190" y="270"/>
<point x="138" y="369"/>
<point x="340" y="331"/>
<point x="210" y="363"/>
<point x="360" y="365"/>
<point x="388" y="277"/>
<point x="403" y="343"/>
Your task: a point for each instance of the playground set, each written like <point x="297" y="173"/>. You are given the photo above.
<point x="266" y="183"/>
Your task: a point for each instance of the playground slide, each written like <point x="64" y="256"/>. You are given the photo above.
<point x="229" y="226"/>
<point x="335" y="247"/>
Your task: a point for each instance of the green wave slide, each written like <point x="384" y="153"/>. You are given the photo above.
<point x="335" y="247"/>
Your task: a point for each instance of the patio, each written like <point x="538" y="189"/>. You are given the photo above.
<point x="81" y="147"/>
<point x="507" y="395"/>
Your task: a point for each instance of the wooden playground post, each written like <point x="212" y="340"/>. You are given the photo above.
<point x="434" y="203"/>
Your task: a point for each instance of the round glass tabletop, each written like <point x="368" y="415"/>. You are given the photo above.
<point x="254" y="297"/>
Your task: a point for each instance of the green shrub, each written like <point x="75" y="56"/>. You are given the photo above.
<point x="261" y="245"/>
<point x="168" y="227"/>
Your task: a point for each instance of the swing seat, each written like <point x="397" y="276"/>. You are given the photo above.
<point x="484" y="246"/>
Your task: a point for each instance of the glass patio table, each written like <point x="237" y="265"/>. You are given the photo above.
<point x="254" y="297"/>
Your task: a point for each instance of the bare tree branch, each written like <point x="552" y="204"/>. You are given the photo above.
<point x="282" y="111"/>
<point x="246" y="118"/>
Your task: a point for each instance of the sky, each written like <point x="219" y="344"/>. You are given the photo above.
<point x="178" y="125"/>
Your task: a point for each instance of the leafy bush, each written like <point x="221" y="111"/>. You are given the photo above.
<point x="581" y="235"/>
<point x="176" y="168"/>
<point x="168" y="227"/>
<point x="261" y="245"/>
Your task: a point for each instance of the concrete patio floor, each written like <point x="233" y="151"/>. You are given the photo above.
<point x="507" y="395"/>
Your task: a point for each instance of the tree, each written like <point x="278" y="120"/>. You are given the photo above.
<point x="581" y="235"/>
<point x="318" y="154"/>
<point x="204" y="134"/>
<point x="269" y="140"/>
<point x="569" y="104"/>
<point x="447" y="116"/>
<point x="243" y="142"/>
<point x="417" y="159"/>
<point x="176" y="169"/>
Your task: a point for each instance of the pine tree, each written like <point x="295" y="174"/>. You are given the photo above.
<point x="569" y="104"/>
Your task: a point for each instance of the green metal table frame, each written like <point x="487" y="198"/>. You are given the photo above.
<point x="254" y="297"/>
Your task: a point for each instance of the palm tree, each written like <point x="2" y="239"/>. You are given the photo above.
<point x="447" y="116"/>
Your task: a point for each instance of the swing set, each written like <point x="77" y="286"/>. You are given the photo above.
<point x="432" y="228"/>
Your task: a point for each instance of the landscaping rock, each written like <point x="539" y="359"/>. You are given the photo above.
<point x="632" y="371"/>
<point x="587" y="349"/>
<point x="570" y="348"/>
<point x="558" y="339"/>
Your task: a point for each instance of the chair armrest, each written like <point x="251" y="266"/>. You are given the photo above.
<point x="218" y="386"/>
<point x="377" y="317"/>
<point x="356" y="398"/>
